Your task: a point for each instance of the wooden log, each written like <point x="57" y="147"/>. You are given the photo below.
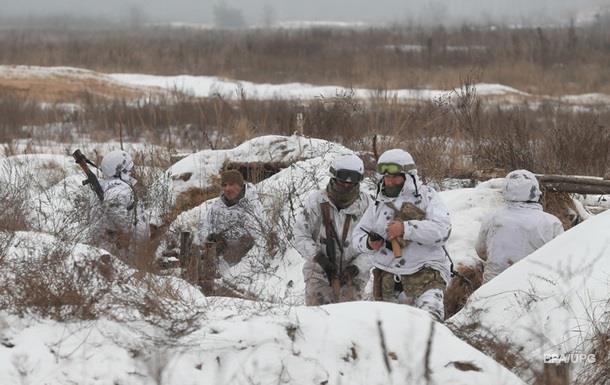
<point x="577" y="188"/>
<point x="575" y="184"/>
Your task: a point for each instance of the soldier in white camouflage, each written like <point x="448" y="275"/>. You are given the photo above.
<point x="406" y="228"/>
<point x="233" y="222"/>
<point x="334" y="271"/>
<point x="518" y="229"/>
<point x="122" y="223"/>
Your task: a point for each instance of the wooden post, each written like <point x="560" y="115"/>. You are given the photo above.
<point x="186" y="257"/>
<point x="207" y="268"/>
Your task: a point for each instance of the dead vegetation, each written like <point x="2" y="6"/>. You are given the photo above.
<point x="460" y="132"/>
<point x="562" y="60"/>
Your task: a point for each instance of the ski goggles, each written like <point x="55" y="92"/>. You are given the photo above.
<point x="349" y="176"/>
<point x="389" y="168"/>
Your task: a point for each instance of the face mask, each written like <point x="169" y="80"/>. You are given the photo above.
<point x="342" y="195"/>
<point x="392" y="191"/>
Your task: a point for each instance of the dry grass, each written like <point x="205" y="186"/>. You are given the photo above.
<point x="447" y="139"/>
<point x="64" y="89"/>
<point x="549" y="61"/>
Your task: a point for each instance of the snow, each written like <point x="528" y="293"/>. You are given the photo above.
<point x="549" y="301"/>
<point x="468" y="208"/>
<point x="210" y="86"/>
<point x="206" y="164"/>
<point x="221" y="340"/>
<point x="243" y="347"/>
<point x="308" y="162"/>
<point x="284" y="194"/>
<point x="207" y="86"/>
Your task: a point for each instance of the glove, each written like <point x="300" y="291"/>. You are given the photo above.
<point x="329" y="268"/>
<point x="349" y="273"/>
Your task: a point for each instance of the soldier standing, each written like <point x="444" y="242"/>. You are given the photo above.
<point x="122" y="223"/>
<point x="334" y="270"/>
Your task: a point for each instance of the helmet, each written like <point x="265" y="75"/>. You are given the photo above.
<point x="395" y="161"/>
<point x="521" y="186"/>
<point x="348" y="168"/>
<point x="115" y="163"/>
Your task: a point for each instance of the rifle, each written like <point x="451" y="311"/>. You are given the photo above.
<point x="91" y="180"/>
<point x="331" y="252"/>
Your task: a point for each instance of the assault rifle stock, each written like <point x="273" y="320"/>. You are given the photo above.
<point x="91" y="180"/>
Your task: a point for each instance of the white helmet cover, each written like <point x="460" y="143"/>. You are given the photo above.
<point x="348" y="168"/>
<point x="398" y="157"/>
<point x="115" y="163"/>
<point x="521" y="186"/>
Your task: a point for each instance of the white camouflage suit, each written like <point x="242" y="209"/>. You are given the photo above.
<point x="122" y="220"/>
<point x="518" y="229"/>
<point x="426" y="238"/>
<point x="122" y="226"/>
<point x="239" y="226"/>
<point x="309" y="234"/>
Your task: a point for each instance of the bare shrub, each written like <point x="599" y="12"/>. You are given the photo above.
<point x="65" y="282"/>
<point x="49" y="287"/>
<point x="566" y="138"/>
<point x="597" y="373"/>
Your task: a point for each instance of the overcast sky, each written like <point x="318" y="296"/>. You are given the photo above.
<point x="512" y="11"/>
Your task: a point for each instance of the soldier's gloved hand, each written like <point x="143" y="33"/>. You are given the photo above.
<point x="349" y="273"/>
<point x="329" y="268"/>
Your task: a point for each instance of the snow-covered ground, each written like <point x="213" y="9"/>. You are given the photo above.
<point x="352" y="343"/>
<point x="220" y="341"/>
<point x="275" y="339"/>
<point x="550" y="301"/>
<point x="209" y="86"/>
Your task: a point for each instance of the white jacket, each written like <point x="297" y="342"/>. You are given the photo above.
<point x="121" y="216"/>
<point x="243" y="218"/>
<point x="310" y="231"/>
<point x="513" y="232"/>
<point x="426" y="236"/>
